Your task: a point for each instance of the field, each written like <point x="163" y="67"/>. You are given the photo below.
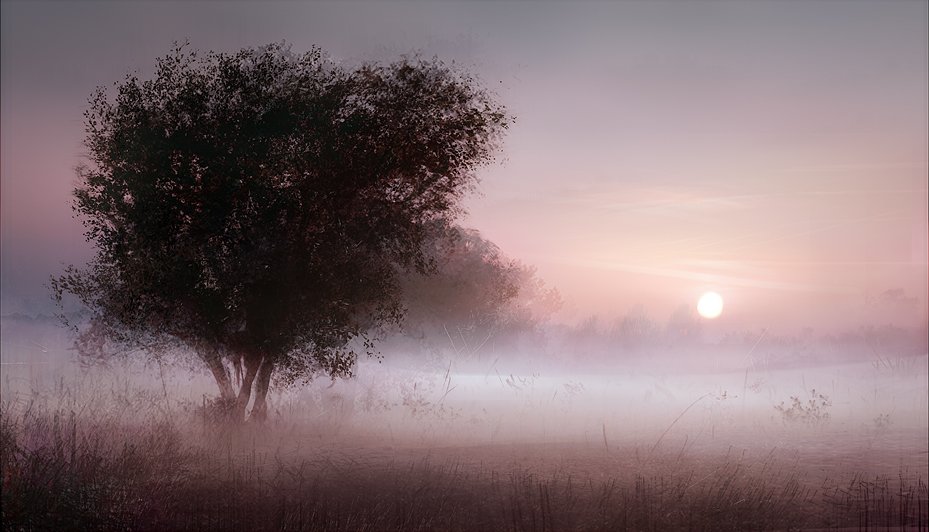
<point x="489" y="445"/>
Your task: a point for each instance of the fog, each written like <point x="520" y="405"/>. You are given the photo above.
<point x="553" y="373"/>
<point x="825" y="415"/>
<point x="541" y="393"/>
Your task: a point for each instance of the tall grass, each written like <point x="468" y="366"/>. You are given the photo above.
<point x="110" y="456"/>
<point x="62" y="471"/>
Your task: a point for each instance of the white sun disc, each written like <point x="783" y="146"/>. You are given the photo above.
<point x="710" y="305"/>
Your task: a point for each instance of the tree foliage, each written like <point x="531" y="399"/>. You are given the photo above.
<point x="635" y="329"/>
<point x="475" y="294"/>
<point x="684" y="325"/>
<point x="258" y="206"/>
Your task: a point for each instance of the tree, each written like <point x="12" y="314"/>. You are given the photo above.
<point x="635" y="329"/>
<point x="475" y="293"/>
<point x="258" y="207"/>
<point x="684" y="325"/>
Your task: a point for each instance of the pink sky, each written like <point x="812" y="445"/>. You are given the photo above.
<point x="773" y="152"/>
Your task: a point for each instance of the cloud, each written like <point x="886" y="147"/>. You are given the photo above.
<point x="715" y="278"/>
<point x="661" y="200"/>
<point x="855" y="167"/>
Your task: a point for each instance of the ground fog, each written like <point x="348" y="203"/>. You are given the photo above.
<point x="699" y="438"/>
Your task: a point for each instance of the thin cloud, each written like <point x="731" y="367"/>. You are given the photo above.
<point x="852" y="167"/>
<point x="713" y="278"/>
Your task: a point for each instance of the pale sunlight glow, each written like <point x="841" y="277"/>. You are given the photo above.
<point x="710" y="305"/>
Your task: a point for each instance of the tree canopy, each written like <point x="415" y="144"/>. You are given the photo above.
<point x="475" y="294"/>
<point x="259" y="207"/>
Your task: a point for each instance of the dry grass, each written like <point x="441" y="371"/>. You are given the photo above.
<point x="115" y="457"/>
<point x="62" y="471"/>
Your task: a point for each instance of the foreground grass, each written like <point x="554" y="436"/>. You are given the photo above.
<point x="94" y="470"/>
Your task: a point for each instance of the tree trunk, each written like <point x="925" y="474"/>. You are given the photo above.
<point x="245" y="390"/>
<point x="260" y="408"/>
<point x="215" y="363"/>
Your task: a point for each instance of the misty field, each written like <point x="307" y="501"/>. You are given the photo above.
<point x="433" y="443"/>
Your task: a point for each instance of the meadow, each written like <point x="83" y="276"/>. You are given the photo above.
<point x="483" y="444"/>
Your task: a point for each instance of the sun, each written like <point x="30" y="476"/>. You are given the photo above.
<point x="710" y="305"/>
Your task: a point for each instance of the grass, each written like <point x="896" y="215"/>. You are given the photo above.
<point x="107" y="455"/>
<point x="64" y="471"/>
<point x="60" y="473"/>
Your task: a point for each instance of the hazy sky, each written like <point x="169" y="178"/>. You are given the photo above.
<point x="773" y="152"/>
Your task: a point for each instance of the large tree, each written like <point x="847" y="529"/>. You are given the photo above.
<point x="259" y="207"/>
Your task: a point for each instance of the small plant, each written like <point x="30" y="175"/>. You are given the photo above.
<point x="214" y="411"/>
<point x="374" y="398"/>
<point x="418" y="397"/>
<point x="573" y="389"/>
<point x="882" y="421"/>
<point x="723" y="395"/>
<point x="813" y="412"/>
<point x="900" y="366"/>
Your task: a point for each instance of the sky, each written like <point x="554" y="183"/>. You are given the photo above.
<point x="774" y="152"/>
